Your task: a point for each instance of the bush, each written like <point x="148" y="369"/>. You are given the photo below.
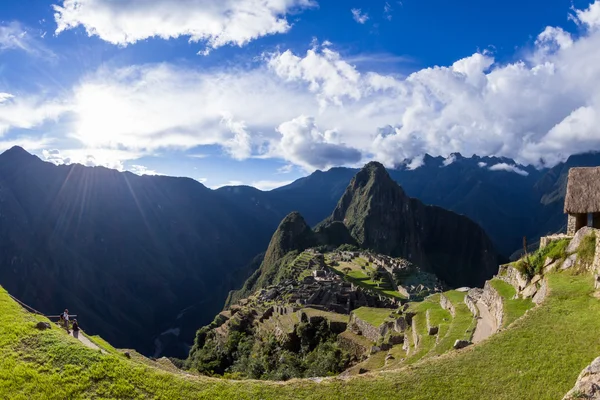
<point x="534" y="263"/>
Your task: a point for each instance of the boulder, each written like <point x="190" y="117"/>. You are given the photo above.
<point x="461" y="344"/>
<point x="540" y="296"/>
<point x="579" y="236"/>
<point x="127" y="354"/>
<point x="42" y="326"/>
<point x="553" y="266"/>
<point x="529" y="291"/>
<point x="536" y="279"/>
<point x="433" y="330"/>
<point x="569" y="262"/>
<point x="588" y="383"/>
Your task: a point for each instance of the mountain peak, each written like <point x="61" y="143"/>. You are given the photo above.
<point x="16" y="154"/>
<point x="16" y="150"/>
<point x="293" y="233"/>
<point x="371" y="172"/>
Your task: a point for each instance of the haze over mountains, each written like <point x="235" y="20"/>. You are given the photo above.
<point x="136" y="256"/>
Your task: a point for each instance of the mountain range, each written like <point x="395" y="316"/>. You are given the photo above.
<point x="145" y="260"/>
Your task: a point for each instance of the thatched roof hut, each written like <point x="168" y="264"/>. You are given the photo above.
<point x="583" y="191"/>
<point x="583" y="198"/>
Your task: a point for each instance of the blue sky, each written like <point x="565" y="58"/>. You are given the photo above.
<point x="261" y="92"/>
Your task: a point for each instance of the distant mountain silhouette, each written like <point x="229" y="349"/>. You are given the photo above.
<point x="135" y="256"/>
<point x="127" y="253"/>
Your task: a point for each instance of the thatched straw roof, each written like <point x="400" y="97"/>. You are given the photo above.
<point x="583" y="191"/>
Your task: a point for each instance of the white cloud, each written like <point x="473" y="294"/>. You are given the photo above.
<point x="387" y="11"/>
<point x="508" y="168"/>
<point x="15" y="36"/>
<point x="240" y="145"/>
<point x="141" y="170"/>
<point x="542" y="108"/>
<point x="449" y="160"/>
<point x="286" y="169"/>
<point x="28" y="111"/>
<point x="482" y="164"/>
<point x="590" y="17"/>
<point x="269" y="185"/>
<point x="359" y="16"/>
<point x="216" y="22"/>
<point x="303" y="144"/>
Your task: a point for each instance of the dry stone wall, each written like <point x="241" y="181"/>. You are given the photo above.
<point x="364" y="328"/>
<point x="447" y="305"/>
<point x="492" y="299"/>
<point x="512" y="276"/>
<point x="470" y="303"/>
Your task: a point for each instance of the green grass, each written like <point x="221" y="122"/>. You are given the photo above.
<point x="373" y="316"/>
<point x="586" y="251"/>
<point x="437" y="316"/>
<point x="533" y="264"/>
<point x="513" y="308"/>
<point x="331" y="316"/>
<point x="537" y="357"/>
<point x="360" y="278"/>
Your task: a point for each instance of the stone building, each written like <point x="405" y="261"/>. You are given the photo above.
<point x="583" y="198"/>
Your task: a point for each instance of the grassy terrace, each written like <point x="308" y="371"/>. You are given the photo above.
<point x="374" y="316"/>
<point x="360" y="277"/>
<point x="462" y="326"/>
<point x="513" y="308"/>
<point x="331" y="316"/>
<point x="529" y="360"/>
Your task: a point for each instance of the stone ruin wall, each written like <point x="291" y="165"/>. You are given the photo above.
<point x="447" y="305"/>
<point x="367" y="330"/>
<point x="492" y="299"/>
<point x="471" y="305"/>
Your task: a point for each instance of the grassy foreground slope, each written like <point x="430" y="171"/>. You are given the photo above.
<point x="538" y="357"/>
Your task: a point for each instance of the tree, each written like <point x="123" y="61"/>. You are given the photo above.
<point x="346" y="270"/>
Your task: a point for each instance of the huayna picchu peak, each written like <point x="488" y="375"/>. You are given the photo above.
<point x="381" y="217"/>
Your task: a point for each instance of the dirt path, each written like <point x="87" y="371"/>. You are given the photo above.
<point x="86" y="342"/>
<point x="485" y="324"/>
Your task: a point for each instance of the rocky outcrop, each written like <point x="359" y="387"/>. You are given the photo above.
<point x="380" y="216"/>
<point x="579" y="236"/>
<point x="513" y="276"/>
<point x="493" y="301"/>
<point x="42" y="326"/>
<point x="461" y="344"/>
<point x="588" y="383"/>
<point x="447" y="305"/>
<point x="540" y="296"/>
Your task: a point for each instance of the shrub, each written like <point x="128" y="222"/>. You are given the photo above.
<point x="534" y="263"/>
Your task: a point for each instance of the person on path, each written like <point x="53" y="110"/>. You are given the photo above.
<point x="75" y="326"/>
<point x="66" y="320"/>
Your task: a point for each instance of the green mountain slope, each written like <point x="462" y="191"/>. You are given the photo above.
<point x="529" y="360"/>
